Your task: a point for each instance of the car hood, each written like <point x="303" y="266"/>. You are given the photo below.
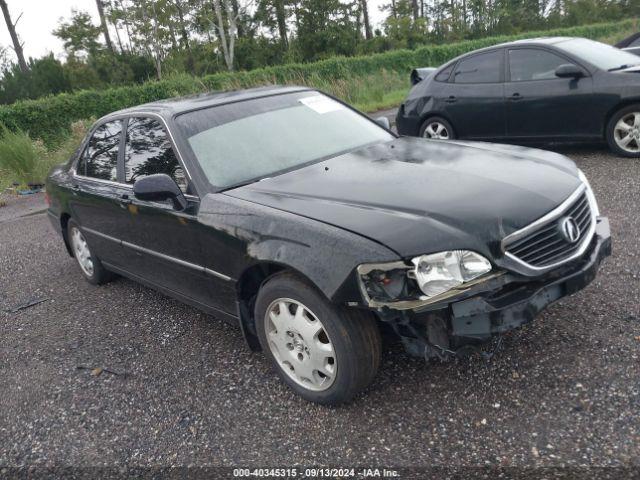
<point x="418" y="196"/>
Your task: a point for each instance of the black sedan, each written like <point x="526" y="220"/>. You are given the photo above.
<point x="308" y="225"/>
<point x="542" y="90"/>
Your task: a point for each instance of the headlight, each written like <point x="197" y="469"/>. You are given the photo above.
<point x="590" y="195"/>
<point x="399" y="284"/>
<point x="439" y="272"/>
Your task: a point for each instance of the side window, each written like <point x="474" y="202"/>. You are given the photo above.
<point x="635" y="43"/>
<point x="444" y="75"/>
<point x="100" y="157"/>
<point x="148" y="151"/>
<point x="482" y="68"/>
<point x="526" y="64"/>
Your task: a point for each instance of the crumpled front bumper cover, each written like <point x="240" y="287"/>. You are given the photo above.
<point x="517" y="303"/>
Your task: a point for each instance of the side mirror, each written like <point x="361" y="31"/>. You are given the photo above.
<point x="569" y="70"/>
<point x="383" y="122"/>
<point x="159" y="188"/>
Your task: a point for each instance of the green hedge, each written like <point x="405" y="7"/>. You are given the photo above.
<point x="50" y="117"/>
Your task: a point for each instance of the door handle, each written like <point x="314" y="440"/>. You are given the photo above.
<point x="515" y="97"/>
<point x="451" y="99"/>
<point x="125" y="200"/>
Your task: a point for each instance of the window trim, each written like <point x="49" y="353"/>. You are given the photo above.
<point x="453" y="69"/>
<point x="125" y="119"/>
<point x="501" y="75"/>
<point x="553" y="51"/>
<point x="85" y="145"/>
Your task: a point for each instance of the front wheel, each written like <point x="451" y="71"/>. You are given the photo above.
<point x="623" y="132"/>
<point x="325" y="353"/>
<point x="437" y="128"/>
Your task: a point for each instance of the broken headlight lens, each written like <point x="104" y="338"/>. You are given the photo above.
<point x="440" y="272"/>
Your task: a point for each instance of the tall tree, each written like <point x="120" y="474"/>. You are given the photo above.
<point x="281" y="18"/>
<point x="105" y="27"/>
<point x="367" y="21"/>
<point x="226" y="28"/>
<point x="11" y="26"/>
<point x="79" y="34"/>
<point x="180" y="9"/>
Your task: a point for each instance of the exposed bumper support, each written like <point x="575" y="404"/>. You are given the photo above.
<point x="482" y="316"/>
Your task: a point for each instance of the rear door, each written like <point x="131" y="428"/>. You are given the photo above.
<point x="474" y="97"/>
<point x="543" y="106"/>
<point x="96" y="200"/>
<point x="165" y="242"/>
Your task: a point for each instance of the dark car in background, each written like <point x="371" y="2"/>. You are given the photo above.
<point x="630" y="44"/>
<point x="531" y="91"/>
<point x="308" y="226"/>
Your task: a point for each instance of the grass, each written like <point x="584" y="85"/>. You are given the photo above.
<point x="25" y="160"/>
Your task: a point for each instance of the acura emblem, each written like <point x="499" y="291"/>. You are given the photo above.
<point x="569" y="229"/>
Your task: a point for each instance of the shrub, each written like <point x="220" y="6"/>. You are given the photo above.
<point x="25" y="160"/>
<point x="49" y="118"/>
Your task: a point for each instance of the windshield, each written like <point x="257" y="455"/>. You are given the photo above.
<point x="604" y="57"/>
<point x="246" y="141"/>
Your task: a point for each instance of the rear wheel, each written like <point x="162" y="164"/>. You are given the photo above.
<point x="623" y="131"/>
<point x="90" y="265"/>
<point x="326" y="354"/>
<point x="437" y="128"/>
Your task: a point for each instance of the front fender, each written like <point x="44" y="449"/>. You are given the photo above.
<point x="325" y="254"/>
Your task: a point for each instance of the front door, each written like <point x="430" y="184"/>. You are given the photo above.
<point x="165" y="242"/>
<point x="543" y="106"/>
<point x="474" y="99"/>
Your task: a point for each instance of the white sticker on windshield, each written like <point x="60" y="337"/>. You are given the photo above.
<point x="321" y="104"/>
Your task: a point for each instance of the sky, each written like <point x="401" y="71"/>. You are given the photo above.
<point x="40" y="18"/>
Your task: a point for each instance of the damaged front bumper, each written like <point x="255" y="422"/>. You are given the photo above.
<point x="499" y="304"/>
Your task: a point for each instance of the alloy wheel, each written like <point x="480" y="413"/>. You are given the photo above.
<point x="300" y="344"/>
<point x="81" y="251"/>
<point x="436" y="130"/>
<point x="626" y="133"/>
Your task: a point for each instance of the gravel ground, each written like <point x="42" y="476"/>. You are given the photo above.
<point x="180" y="388"/>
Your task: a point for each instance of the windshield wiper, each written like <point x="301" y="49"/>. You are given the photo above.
<point x="622" y="67"/>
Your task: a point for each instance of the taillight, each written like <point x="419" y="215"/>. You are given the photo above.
<point x="47" y="199"/>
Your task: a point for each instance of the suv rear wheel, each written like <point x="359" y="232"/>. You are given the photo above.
<point x="325" y="353"/>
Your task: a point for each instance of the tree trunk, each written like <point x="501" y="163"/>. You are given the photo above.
<point x="125" y="18"/>
<point x="281" y="17"/>
<point x="155" y="51"/>
<point x="185" y="37"/>
<point x="227" y="41"/>
<point x="367" y="22"/>
<point x="416" y="10"/>
<point x="105" y="28"/>
<point x="115" y="26"/>
<point x="17" y="46"/>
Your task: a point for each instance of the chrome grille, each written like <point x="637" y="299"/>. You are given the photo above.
<point x="546" y="245"/>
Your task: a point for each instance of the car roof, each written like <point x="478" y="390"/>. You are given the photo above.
<point x="173" y="106"/>
<point x="517" y="43"/>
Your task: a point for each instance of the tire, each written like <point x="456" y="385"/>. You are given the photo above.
<point x="90" y="266"/>
<point x="623" y="132"/>
<point x="312" y="332"/>
<point x="440" y="129"/>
